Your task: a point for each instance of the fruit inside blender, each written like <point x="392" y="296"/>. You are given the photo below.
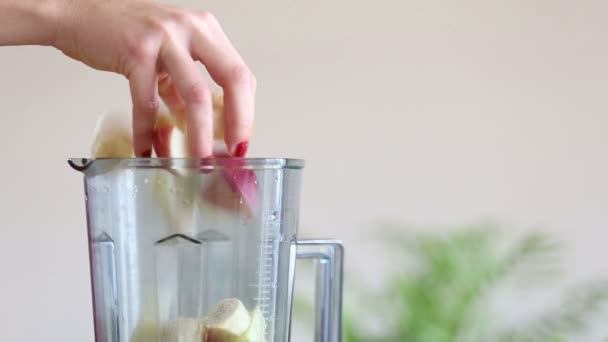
<point x="228" y="321"/>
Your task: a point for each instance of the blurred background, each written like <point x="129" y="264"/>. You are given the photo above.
<point x="446" y="119"/>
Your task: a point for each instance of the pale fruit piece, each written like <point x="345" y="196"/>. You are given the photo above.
<point x="175" y="188"/>
<point x="147" y="330"/>
<point x="218" y="116"/>
<point x="236" y="189"/>
<point x="255" y="332"/>
<point x="177" y="198"/>
<point x="228" y="318"/>
<point x="170" y="139"/>
<point x="182" y="330"/>
<point x="220" y="335"/>
<point x="113" y="137"/>
<point x="257" y="328"/>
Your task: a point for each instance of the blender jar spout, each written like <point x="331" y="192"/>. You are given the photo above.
<point x="80" y="164"/>
<point x="93" y="167"/>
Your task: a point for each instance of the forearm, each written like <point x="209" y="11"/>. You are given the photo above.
<point x="30" y="22"/>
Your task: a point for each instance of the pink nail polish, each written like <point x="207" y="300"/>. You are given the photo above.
<point x="241" y="149"/>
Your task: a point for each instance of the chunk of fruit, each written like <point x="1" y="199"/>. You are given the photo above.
<point x="229" y="317"/>
<point x="112" y="136"/>
<point x="176" y="195"/>
<point x="218" y="116"/>
<point x="167" y="140"/>
<point x="220" y="335"/>
<point x="257" y="328"/>
<point x="146" y="330"/>
<point x="182" y="330"/>
<point x="237" y="188"/>
<point x="170" y="132"/>
<point x="251" y="327"/>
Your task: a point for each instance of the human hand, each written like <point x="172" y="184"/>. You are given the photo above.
<point x="157" y="47"/>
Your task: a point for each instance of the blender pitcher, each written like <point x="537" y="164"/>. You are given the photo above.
<point x="185" y="250"/>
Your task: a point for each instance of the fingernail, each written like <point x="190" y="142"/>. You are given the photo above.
<point x="241" y="149"/>
<point x="147" y="154"/>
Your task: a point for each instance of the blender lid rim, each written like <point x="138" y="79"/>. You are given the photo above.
<point x="99" y="165"/>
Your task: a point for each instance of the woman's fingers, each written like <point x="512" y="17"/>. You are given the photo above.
<point x="196" y="96"/>
<point x="170" y="96"/>
<point x="238" y="116"/>
<point x="139" y="39"/>
<point x="143" y="86"/>
<point x="212" y="48"/>
<point x="177" y="107"/>
<point x="181" y="86"/>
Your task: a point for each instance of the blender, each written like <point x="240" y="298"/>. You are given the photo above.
<point x="185" y="250"/>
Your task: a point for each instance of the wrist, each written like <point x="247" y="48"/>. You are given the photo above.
<point x="56" y="16"/>
<point x="29" y="22"/>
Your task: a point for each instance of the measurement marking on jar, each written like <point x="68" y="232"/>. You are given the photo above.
<point x="268" y="244"/>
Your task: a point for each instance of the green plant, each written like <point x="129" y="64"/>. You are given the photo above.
<point x="441" y="286"/>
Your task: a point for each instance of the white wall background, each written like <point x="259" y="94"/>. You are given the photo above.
<point x="419" y="111"/>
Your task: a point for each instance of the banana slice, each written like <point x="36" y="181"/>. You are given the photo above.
<point x="169" y="138"/>
<point x="182" y="330"/>
<point x="229" y="317"/>
<point x="113" y="136"/>
<point x="170" y="128"/>
<point x="257" y="328"/>
<point x="146" y="330"/>
<point x="231" y="322"/>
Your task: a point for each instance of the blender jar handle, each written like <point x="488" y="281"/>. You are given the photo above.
<point x="328" y="256"/>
